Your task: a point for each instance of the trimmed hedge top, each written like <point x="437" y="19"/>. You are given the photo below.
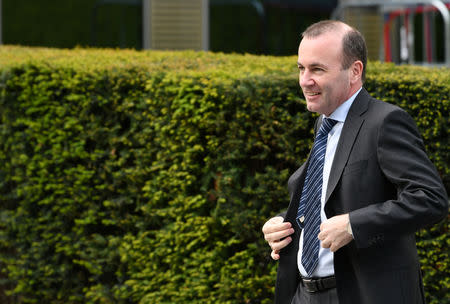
<point x="90" y="60"/>
<point x="95" y="60"/>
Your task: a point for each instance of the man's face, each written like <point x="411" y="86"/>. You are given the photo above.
<point x="325" y="85"/>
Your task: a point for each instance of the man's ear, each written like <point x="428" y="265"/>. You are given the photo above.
<point x="356" y="70"/>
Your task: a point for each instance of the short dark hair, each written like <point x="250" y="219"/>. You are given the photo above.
<point x="353" y="43"/>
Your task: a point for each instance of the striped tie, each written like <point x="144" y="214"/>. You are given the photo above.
<point x="308" y="214"/>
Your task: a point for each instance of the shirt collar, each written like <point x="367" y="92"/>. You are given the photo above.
<point x="340" y="114"/>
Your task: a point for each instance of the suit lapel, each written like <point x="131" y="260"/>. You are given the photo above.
<point x="350" y="131"/>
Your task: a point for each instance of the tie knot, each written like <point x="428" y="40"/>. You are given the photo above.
<point x="327" y="125"/>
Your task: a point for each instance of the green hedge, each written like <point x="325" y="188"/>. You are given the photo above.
<point x="145" y="177"/>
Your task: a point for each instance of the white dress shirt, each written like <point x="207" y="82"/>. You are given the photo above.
<point x="325" y="267"/>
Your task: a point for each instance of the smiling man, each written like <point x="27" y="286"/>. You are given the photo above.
<point x="348" y="235"/>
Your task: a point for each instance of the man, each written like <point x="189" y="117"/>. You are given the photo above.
<point x="363" y="197"/>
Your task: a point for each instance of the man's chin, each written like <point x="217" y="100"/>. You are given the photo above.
<point x="312" y="107"/>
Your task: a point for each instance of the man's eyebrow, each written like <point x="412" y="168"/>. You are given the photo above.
<point x="313" y="65"/>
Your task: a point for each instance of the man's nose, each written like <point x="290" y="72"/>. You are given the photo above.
<point x="305" y="79"/>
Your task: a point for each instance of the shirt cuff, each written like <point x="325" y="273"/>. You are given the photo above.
<point x="349" y="227"/>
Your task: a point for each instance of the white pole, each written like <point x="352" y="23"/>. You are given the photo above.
<point x="205" y="25"/>
<point x="146" y="24"/>
<point x="1" y="21"/>
<point x="446" y="18"/>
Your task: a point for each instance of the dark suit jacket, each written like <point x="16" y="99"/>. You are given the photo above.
<point x="383" y="178"/>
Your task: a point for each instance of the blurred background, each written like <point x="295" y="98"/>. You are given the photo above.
<point x="402" y="31"/>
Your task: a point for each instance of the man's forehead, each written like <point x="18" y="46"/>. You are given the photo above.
<point x="319" y="48"/>
<point x="331" y="38"/>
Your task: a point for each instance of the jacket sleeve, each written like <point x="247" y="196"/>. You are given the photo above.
<point x="421" y="197"/>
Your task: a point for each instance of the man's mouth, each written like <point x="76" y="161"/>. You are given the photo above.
<point x="312" y="93"/>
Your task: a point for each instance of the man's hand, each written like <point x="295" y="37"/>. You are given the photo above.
<point x="276" y="232"/>
<point x="334" y="233"/>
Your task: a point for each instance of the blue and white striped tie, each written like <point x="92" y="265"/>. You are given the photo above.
<point x="308" y="214"/>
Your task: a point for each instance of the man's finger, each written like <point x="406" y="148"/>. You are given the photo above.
<point x="275" y="236"/>
<point x="275" y="255"/>
<point x="281" y="244"/>
<point x="321" y="236"/>
<point x="326" y="243"/>
<point x="271" y="227"/>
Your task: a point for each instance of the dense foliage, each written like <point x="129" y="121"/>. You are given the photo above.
<point x="145" y="177"/>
